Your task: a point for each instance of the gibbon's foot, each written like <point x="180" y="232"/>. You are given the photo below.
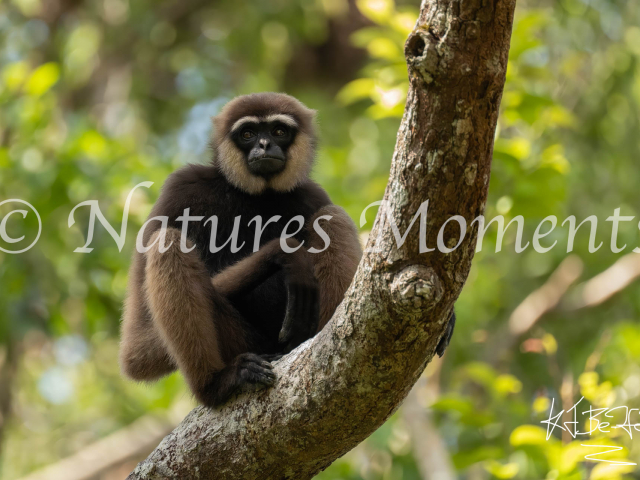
<point x="302" y="315"/>
<point x="448" y="333"/>
<point x="252" y="368"/>
<point x="246" y="369"/>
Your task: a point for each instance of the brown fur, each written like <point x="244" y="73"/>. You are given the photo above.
<point x="177" y="316"/>
<point x="334" y="267"/>
<point x="143" y="354"/>
<point x="234" y="279"/>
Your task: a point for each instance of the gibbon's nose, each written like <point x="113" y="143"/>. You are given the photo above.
<point x="264" y="143"/>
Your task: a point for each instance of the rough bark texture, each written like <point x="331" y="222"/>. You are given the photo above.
<point x="338" y="388"/>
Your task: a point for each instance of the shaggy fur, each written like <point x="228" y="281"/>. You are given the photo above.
<point x="222" y="317"/>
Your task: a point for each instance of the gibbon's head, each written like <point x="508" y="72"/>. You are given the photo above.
<point x="264" y="140"/>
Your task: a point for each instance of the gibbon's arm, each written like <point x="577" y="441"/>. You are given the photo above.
<point x="253" y="270"/>
<point x="334" y="267"/>
<point x="315" y="282"/>
<point x="203" y="333"/>
<point x="302" y="312"/>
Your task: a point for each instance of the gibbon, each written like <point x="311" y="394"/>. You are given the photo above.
<point x="222" y="314"/>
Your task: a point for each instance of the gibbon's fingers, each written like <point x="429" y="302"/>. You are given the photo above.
<point x="250" y="359"/>
<point x="305" y="324"/>
<point x="246" y="368"/>
<point x="253" y="369"/>
<point x="259" y="370"/>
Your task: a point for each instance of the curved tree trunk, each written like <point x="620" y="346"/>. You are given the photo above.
<point x="336" y="389"/>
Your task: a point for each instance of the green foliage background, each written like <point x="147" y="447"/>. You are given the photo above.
<point x="98" y="96"/>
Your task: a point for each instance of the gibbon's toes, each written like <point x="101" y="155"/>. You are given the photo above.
<point x="253" y="369"/>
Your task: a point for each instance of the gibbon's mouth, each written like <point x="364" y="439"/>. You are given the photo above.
<point x="266" y="165"/>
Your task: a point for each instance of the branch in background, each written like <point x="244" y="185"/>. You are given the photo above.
<point x="593" y="359"/>
<point x="534" y="306"/>
<point x="606" y="284"/>
<point x="553" y="294"/>
<point x="545" y="298"/>
<point x="429" y="450"/>
<point x="566" y="395"/>
<point x="336" y="389"/>
<point x="128" y="444"/>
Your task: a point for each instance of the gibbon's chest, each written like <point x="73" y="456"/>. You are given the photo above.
<point x="237" y="224"/>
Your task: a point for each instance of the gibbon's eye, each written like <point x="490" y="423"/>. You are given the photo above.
<point x="247" y="134"/>
<point x="279" y="132"/>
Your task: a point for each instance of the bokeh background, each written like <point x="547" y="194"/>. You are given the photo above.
<point x="97" y="96"/>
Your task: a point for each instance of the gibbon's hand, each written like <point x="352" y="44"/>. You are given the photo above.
<point x="302" y="315"/>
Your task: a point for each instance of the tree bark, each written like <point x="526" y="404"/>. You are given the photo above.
<point x="336" y="389"/>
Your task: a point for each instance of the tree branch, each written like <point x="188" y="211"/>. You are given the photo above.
<point x="605" y="285"/>
<point x="544" y="299"/>
<point x="336" y="389"/>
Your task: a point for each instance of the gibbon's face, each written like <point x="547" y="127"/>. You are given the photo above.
<point x="265" y="142"/>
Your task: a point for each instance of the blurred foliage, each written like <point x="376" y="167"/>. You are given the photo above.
<point x="96" y="97"/>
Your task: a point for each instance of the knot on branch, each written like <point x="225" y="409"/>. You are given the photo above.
<point x="416" y="288"/>
<point x="421" y="54"/>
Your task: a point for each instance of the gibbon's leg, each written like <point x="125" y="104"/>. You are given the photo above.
<point x="334" y="267"/>
<point x="302" y="313"/>
<point x="202" y="331"/>
<point x="143" y="355"/>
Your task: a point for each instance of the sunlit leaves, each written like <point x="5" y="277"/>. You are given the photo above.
<point x="502" y="471"/>
<point x="14" y="75"/>
<point x="80" y="52"/>
<point x="377" y="10"/>
<point x="42" y="79"/>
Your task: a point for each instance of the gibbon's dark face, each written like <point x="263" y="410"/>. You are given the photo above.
<point x="265" y="143"/>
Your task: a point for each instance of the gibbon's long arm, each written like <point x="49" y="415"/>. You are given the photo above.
<point x="190" y="321"/>
<point x="302" y="314"/>
<point x="332" y="269"/>
<point x="202" y="331"/>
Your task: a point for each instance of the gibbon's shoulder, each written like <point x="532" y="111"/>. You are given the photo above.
<point x="187" y="187"/>
<point x="313" y="195"/>
<point x="192" y="176"/>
